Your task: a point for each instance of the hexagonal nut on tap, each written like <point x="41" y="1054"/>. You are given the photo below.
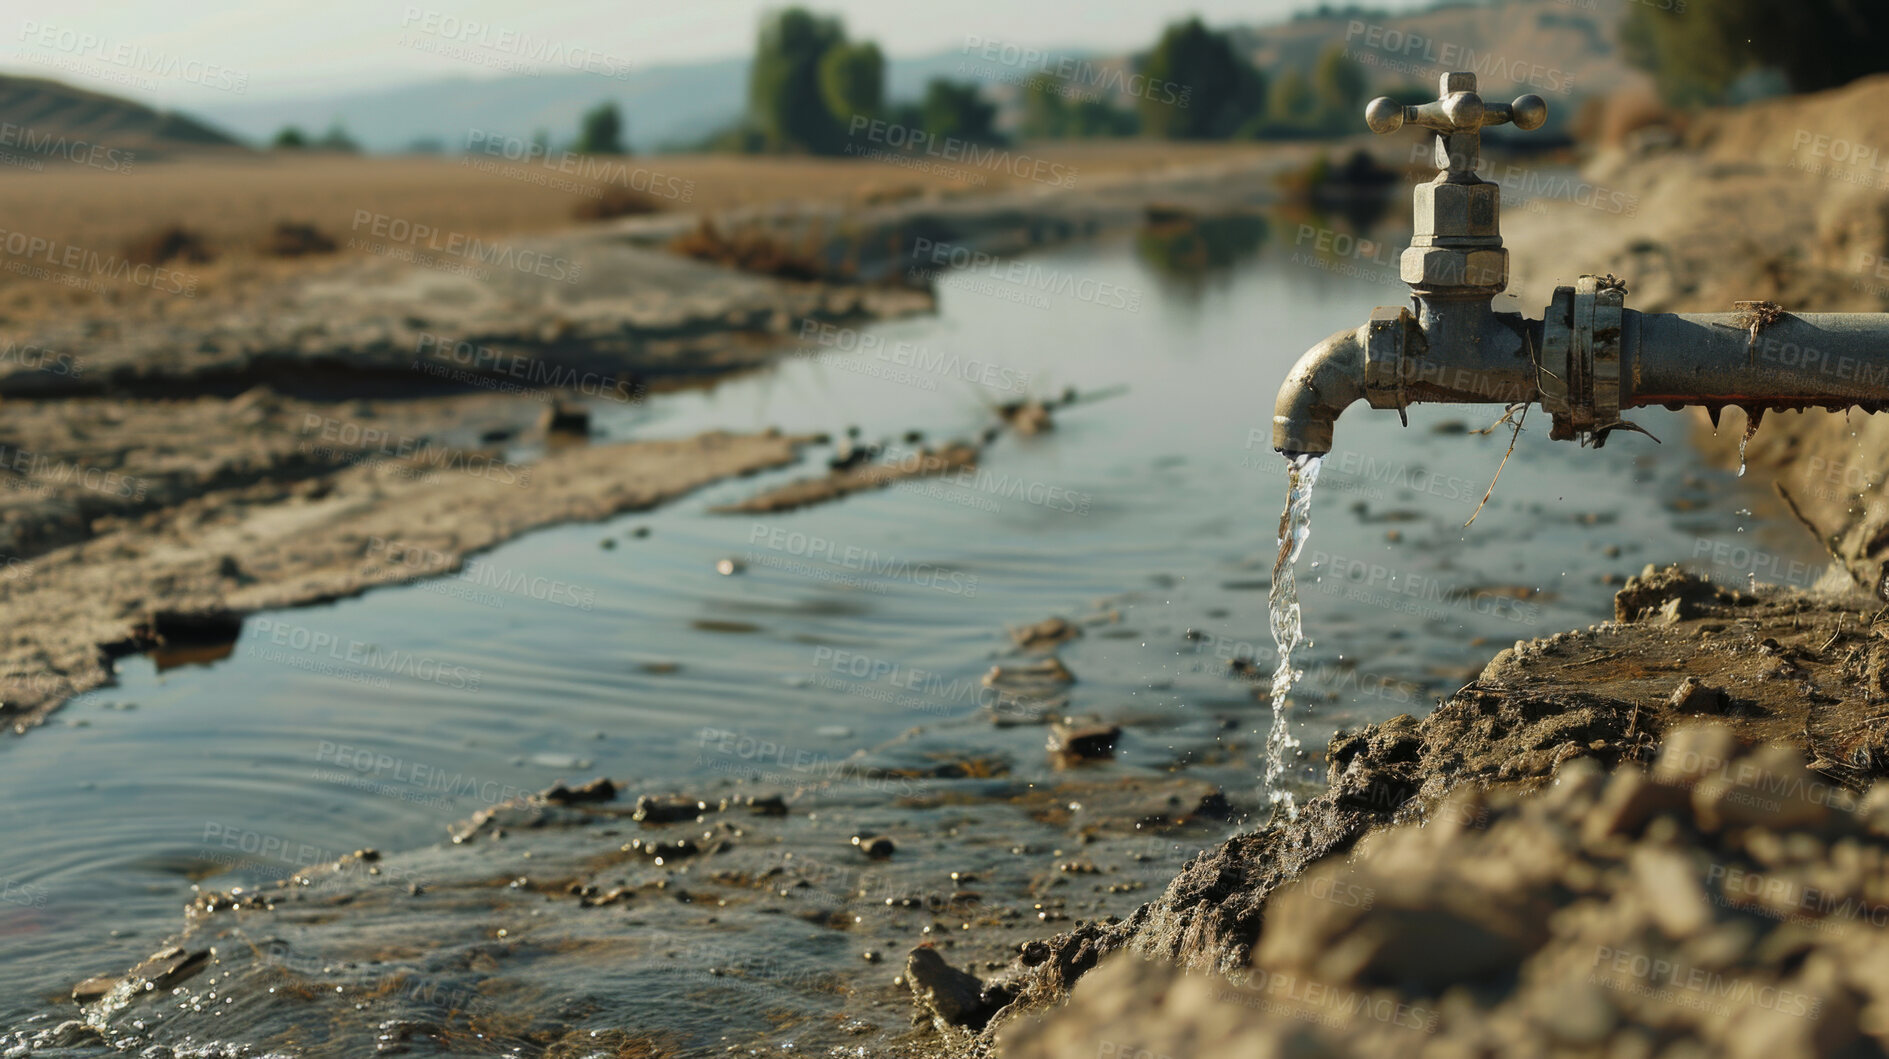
<point x="1440" y="268"/>
<point x="1384" y="344"/>
<point x="1457" y="211"/>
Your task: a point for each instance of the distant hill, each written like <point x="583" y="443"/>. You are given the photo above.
<point x="663" y="106"/>
<point x="1559" y="51"/>
<point x="1562" y="51"/>
<point x="44" y="113"/>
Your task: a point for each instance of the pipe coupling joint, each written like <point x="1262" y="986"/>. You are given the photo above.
<point x="1386" y="344"/>
<point x="1579" y="368"/>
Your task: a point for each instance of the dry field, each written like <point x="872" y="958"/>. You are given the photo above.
<point x="231" y="202"/>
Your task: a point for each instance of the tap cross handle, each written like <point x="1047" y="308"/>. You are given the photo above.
<point x="1458" y="116"/>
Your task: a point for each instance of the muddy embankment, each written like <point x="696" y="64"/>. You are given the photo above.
<point x="168" y="464"/>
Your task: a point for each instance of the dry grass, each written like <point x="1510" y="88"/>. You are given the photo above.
<point x="237" y="207"/>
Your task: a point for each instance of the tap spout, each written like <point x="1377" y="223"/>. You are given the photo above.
<point x="1328" y="379"/>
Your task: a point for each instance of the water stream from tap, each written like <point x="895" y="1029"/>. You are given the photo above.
<point x="1295" y="525"/>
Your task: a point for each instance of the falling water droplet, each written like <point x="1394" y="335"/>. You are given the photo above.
<point x="1295" y="525"/>
<point x="1753" y="417"/>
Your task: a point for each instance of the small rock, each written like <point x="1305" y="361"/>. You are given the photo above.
<point x="1694" y="696"/>
<point x="770" y="805"/>
<point x="1628" y="802"/>
<point x="1045" y="634"/>
<point x="1083" y="742"/>
<point x="560" y="417"/>
<point x="1669" y="886"/>
<point x="667" y="809"/>
<point x="1694" y="751"/>
<point x="72" y="1033"/>
<point x="93" y="988"/>
<point x="952" y="997"/>
<point x="878" y="847"/>
<point x="597" y="790"/>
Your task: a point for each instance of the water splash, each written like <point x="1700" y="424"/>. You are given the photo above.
<point x="1295" y="525"/>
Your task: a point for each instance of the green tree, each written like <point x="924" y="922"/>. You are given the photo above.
<point x="337" y="139"/>
<point x="600" y="131"/>
<point x="954" y="109"/>
<point x="290" y="138"/>
<point x="1340" y="86"/>
<point x="1045" y="112"/>
<point x="1293" y="106"/>
<point x="1198" y="85"/>
<point x="785" y="98"/>
<point x="1696" y="50"/>
<point x="852" y="81"/>
<point x="541" y="141"/>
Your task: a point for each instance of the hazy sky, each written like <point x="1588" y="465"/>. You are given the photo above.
<point x="189" y="51"/>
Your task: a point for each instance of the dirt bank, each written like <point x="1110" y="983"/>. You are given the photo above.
<point x="291" y="529"/>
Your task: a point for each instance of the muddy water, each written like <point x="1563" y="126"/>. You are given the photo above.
<point x="841" y="628"/>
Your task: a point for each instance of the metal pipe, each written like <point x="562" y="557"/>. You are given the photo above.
<point x="1833" y="360"/>
<point x="1589" y="356"/>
